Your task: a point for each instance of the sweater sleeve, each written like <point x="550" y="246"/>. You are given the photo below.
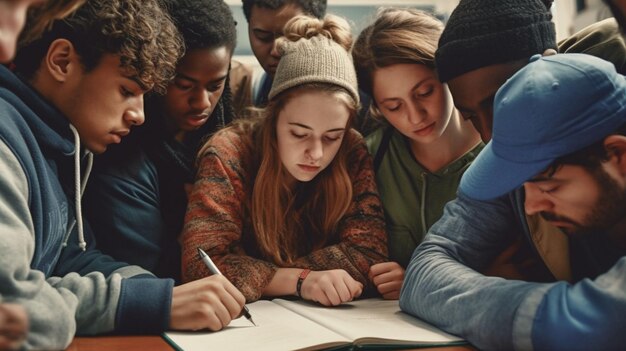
<point x="361" y="231"/>
<point x="214" y="219"/>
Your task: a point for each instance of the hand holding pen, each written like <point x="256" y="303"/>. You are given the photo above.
<point x="214" y="270"/>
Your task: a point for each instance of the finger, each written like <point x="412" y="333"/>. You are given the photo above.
<point x="343" y="291"/>
<point x="232" y="305"/>
<point x="214" y="315"/>
<point x="356" y="288"/>
<point x="394" y="295"/>
<point x="389" y="287"/>
<point x="332" y="295"/>
<point x="234" y="292"/>
<point x="213" y="322"/>
<point x="395" y="275"/>
<point x="381" y="268"/>
<point x="376" y="269"/>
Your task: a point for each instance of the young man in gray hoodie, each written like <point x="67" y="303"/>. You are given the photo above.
<point x="73" y="92"/>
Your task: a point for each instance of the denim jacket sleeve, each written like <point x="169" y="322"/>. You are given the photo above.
<point x="442" y="284"/>
<point x="443" y="287"/>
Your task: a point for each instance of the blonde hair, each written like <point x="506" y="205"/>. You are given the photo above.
<point x="282" y="215"/>
<point x="332" y="27"/>
<point x="40" y="18"/>
<point x="396" y="36"/>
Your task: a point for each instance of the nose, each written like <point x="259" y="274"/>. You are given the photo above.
<point x="483" y="122"/>
<point x="135" y="115"/>
<point x="315" y="150"/>
<point x="201" y="100"/>
<point x="415" y="112"/>
<point x="274" y="52"/>
<point x="536" y="201"/>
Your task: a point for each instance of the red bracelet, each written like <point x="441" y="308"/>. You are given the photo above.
<point x="301" y="278"/>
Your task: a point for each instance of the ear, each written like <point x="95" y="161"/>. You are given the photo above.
<point x="615" y="146"/>
<point x="61" y="60"/>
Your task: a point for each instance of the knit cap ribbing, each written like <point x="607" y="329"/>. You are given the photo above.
<point x="315" y="60"/>
<point x="481" y="33"/>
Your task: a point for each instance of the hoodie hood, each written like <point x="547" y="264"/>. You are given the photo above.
<point x="55" y="135"/>
<point x="50" y="127"/>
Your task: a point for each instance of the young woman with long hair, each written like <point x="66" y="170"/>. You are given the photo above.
<point x="287" y="204"/>
<point x="424" y="146"/>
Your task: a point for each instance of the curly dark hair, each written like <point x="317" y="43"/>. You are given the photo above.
<point x="203" y="24"/>
<point x="315" y="8"/>
<point x="139" y="31"/>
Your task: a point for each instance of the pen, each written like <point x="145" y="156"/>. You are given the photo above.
<point x="213" y="269"/>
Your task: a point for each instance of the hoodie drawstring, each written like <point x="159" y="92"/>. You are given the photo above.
<point x="79" y="189"/>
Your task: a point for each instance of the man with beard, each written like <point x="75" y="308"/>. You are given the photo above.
<point x="559" y="143"/>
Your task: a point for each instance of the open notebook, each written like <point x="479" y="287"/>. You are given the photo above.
<point x="301" y="325"/>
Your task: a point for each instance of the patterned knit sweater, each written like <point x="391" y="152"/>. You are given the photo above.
<point x="216" y="219"/>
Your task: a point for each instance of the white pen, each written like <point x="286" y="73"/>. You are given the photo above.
<point x="213" y="269"/>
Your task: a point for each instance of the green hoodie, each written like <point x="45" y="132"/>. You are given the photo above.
<point x="413" y="197"/>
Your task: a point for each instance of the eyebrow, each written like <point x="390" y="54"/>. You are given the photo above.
<point x="262" y="31"/>
<point x="412" y="88"/>
<point x="140" y="84"/>
<point x="307" y="127"/>
<point x="185" y="77"/>
<point x="545" y="178"/>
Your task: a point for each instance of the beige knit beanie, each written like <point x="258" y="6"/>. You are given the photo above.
<point x="315" y="60"/>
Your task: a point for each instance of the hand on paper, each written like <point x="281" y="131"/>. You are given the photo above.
<point x="207" y="303"/>
<point x="330" y="288"/>
<point x="387" y="277"/>
<point x="13" y="326"/>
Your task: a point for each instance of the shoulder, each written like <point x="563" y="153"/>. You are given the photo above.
<point x="602" y="39"/>
<point x="358" y="157"/>
<point x="231" y="143"/>
<point x="374" y="139"/>
<point x="131" y="166"/>
<point x="240" y="75"/>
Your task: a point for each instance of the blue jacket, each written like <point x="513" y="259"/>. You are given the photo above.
<point x="64" y="290"/>
<point x="442" y="284"/>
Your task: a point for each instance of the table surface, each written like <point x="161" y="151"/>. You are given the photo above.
<point x="157" y="343"/>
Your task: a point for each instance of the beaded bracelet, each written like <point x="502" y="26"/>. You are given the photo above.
<point x="301" y="278"/>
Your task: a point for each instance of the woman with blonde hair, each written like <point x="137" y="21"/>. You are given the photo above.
<point x="424" y="146"/>
<point x="287" y="204"/>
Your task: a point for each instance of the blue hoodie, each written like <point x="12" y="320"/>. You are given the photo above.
<point x="65" y="290"/>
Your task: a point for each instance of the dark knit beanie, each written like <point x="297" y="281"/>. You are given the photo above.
<point x="481" y="33"/>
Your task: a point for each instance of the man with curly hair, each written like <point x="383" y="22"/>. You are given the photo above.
<point x="266" y="19"/>
<point x="77" y="89"/>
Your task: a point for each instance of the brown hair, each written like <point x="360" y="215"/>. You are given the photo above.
<point x="43" y="16"/>
<point x="397" y="36"/>
<point x="281" y="216"/>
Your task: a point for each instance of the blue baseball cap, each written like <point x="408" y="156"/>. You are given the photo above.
<point x="553" y="106"/>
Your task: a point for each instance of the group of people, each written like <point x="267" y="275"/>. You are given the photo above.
<point x="490" y="198"/>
